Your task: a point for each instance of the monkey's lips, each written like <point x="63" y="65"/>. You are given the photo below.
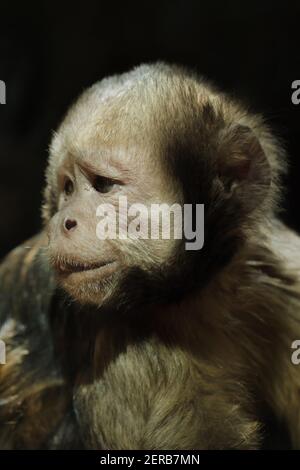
<point x="66" y="268"/>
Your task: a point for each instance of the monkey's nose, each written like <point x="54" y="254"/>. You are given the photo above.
<point x="70" y="224"/>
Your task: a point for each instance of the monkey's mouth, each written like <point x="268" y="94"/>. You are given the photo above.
<point x="66" y="267"/>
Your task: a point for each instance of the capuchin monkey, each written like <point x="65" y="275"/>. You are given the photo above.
<point x="141" y="343"/>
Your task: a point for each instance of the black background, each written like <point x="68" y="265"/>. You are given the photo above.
<point x="50" y="51"/>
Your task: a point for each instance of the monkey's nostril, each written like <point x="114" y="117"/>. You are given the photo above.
<point x="70" y="224"/>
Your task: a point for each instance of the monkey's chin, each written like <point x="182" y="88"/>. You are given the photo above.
<point x="89" y="286"/>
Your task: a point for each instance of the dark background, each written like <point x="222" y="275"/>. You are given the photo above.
<point x="50" y="51"/>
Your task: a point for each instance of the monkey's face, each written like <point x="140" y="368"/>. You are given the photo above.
<point x="94" y="184"/>
<point x="154" y="136"/>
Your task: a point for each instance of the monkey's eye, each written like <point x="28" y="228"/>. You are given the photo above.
<point x="103" y="184"/>
<point x="68" y="186"/>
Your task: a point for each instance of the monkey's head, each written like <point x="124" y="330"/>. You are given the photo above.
<point x="156" y="135"/>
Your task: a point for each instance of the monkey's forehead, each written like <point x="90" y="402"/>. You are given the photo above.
<point x="98" y="150"/>
<point x="128" y="118"/>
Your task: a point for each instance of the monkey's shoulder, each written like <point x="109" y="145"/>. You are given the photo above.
<point x="32" y="390"/>
<point x="26" y="281"/>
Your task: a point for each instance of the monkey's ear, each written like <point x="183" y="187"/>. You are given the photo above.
<point x="243" y="167"/>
